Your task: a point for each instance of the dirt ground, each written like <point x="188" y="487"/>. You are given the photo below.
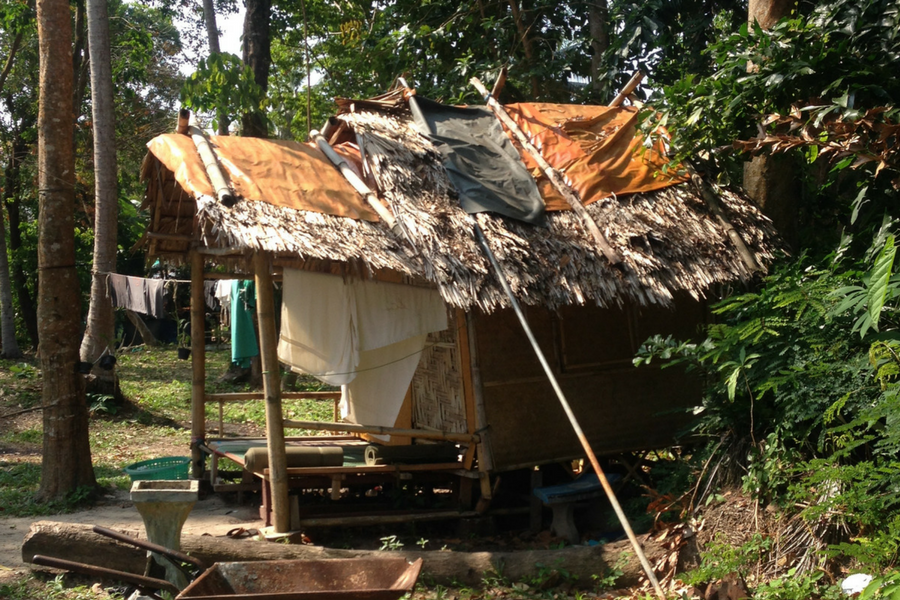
<point x="210" y="516"/>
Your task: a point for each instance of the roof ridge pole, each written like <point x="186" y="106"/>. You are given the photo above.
<point x="383" y="212"/>
<point x="209" y="159"/>
<point x="555" y="178"/>
<point x="632" y="84"/>
<point x="610" y="494"/>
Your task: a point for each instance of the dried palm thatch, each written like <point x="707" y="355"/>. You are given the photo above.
<point x="668" y="239"/>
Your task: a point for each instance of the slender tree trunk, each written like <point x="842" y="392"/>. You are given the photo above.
<point x="12" y="199"/>
<point x="66" y="463"/>
<point x="7" y="315"/>
<point x="527" y="44"/>
<point x="212" y="33"/>
<point x="257" y="55"/>
<point x="99" y="335"/>
<point x="10" y="347"/>
<point x="772" y="182"/>
<point x="81" y="59"/>
<point x="598" y="23"/>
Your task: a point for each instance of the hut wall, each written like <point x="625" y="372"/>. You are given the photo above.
<point x="620" y="407"/>
<point x="438" y="401"/>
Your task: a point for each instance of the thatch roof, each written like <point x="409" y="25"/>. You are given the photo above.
<point x="668" y="239"/>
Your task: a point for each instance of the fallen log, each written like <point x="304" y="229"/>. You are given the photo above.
<point x="75" y="541"/>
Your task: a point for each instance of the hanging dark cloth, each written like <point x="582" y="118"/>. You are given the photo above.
<point x="209" y="294"/>
<point x="145" y="296"/>
<point x="480" y="160"/>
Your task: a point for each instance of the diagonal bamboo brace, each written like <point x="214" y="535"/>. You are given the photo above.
<point x="555" y="178"/>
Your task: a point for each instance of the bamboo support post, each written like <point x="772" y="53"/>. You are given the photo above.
<point x="265" y="311"/>
<point x="210" y="162"/>
<point x="350" y="175"/>
<point x="424" y="434"/>
<point x="632" y="84"/>
<point x="555" y="178"/>
<point x="198" y="366"/>
<point x="715" y="208"/>
<point x="498" y="85"/>
<point x="604" y="482"/>
<point x="184" y="121"/>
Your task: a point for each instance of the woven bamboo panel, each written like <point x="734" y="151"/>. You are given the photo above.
<point x="437" y="391"/>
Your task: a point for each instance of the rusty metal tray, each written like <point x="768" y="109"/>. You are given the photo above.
<point x="327" y="579"/>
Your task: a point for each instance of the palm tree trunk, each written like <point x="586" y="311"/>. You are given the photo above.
<point x="66" y="463"/>
<point x="99" y="335"/>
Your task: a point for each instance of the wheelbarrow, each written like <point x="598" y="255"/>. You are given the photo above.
<point x="325" y="579"/>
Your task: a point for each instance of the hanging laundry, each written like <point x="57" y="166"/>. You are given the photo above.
<point x="223" y="295"/>
<point x="209" y="294"/>
<point x="376" y="394"/>
<point x="318" y="335"/>
<point x="145" y="296"/>
<point x="366" y="336"/>
<point x="243" y="334"/>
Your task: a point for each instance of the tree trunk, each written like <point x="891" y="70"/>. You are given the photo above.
<point x="768" y="12"/>
<point x="75" y="541"/>
<point x="212" y="33"/>
<point x="10" y="347"/>
<point x="772" y="182"/>
<point x="100" y="332"/>
<point x="7" y="315"/>
<point x="527" y="45"/>
<point x="598" y="22"/>
<point x="257" y="55"/>
<point x="66" y="463"/>
<point x="12" y="198"/>
<point x="81" y="59"/>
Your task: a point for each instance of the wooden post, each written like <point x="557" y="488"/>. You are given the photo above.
<point x="265" y="312"/>
<point x="485" y="458"/>
<point x="198" y="366"/>
<point x="632" y="84"/>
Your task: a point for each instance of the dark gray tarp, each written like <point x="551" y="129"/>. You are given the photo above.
<point x="480" y="160"/>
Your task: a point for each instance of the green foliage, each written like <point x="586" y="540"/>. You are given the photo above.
<point x="886" y="586"/>
<point x="222" y="82"/>
<point x="722" y="558"/>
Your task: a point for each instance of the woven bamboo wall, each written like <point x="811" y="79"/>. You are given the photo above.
<point x="437" y="392"/>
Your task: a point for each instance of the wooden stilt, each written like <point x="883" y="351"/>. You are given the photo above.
<point x="198" y="366"/>
<point x="265" y="312"/>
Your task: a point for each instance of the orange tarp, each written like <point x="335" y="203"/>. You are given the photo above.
<point x="279" y="172"/>
<point x="597" y="148"/>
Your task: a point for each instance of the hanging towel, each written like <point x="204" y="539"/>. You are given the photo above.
<point x="145" y="296"/>
<point x="318" y="333"/>
<point x="376" y="394"/>
<point x="243" y="334"/>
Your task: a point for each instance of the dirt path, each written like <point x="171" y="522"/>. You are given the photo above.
<point x="211" y="516"/>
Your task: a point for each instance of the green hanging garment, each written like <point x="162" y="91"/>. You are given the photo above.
<point x="243" y="334"/>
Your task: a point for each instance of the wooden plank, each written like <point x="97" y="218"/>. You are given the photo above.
<point x="465" y="366"/>
<point x="362" y="470"/>
<point x="198" y="366"/>
<point x="265" y="311"/>
<point x="424" y="434"/>
<point x="485" y="454"/>
<point x="244" y="396"/>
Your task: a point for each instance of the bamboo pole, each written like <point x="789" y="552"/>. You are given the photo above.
<point x="209" y="159"/>
<point x="604" y="482"/>
<point x="198" y="366"/>
<point x="498" y="85"/>
<point x="425" y="434"/>
<point x="265" y="311"/>
<point x="715" y="208"/>
<point x="184" y="121"/>
<point x="632" y="84"/>
<point x="555" y="178"/>
<point x="350" y="175"/>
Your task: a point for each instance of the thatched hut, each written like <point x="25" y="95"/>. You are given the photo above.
<point x="477" y="382"/>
